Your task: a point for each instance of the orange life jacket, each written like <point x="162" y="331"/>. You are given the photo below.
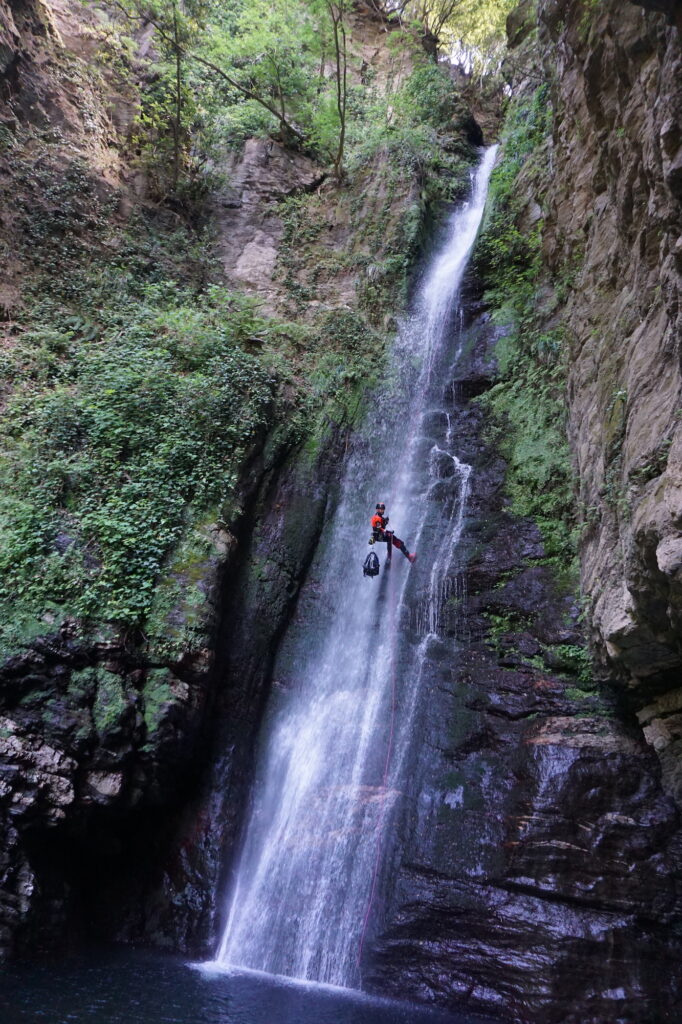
<point x="378" y="522"/>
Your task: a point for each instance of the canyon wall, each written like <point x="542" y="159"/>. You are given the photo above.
<point x="127" y="749"/>
<point x="538" y="875"/>
<point x="539" y="871"/>
<point x="615" y="208"/>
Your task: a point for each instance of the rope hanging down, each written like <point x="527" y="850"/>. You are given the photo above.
<point x="387" y="764"/>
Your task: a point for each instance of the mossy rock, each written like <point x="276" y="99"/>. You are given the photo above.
<point x="159" y="696"/>
<point x="112" y="705"/>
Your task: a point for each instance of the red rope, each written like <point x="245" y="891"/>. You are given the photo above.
<point x="389" y="751"/>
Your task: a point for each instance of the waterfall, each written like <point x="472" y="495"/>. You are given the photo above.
<point x="337" y="736"/>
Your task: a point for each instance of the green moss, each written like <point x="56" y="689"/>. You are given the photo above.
<point x="577" y="694"/>
<point x="574" y="659"/>
<point x="180" y="616"/>
<point x="158" y="697"/>
<point x="23" y="625"/>
<point x="110" y="704"/>
<point x="82" y="686"/>
<point x="527" y="405"/>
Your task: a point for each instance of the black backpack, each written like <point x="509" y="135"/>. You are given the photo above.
<point x="371" y="565"/>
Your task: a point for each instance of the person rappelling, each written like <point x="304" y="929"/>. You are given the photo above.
<point x="380" y="535"/>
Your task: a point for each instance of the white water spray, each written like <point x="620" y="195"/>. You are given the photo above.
<point x="331" y="771"/>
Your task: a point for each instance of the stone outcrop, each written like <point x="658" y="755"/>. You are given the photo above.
<point x="537" y="868"/>
<point x="94" y="743"/>
<point x="614" y="218"/>
<point x="539" y="877"/>
<point x="122" y="760"/>
<point x="249" y="222"/>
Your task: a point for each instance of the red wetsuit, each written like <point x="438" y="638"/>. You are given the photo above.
<point x="380" y="533"/>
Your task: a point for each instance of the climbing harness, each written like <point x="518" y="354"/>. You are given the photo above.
<point x="371" y="565"/>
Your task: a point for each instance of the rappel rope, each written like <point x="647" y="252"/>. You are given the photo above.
<point x="387" y="764"/>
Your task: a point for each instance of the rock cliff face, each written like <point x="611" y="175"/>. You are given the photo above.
<point x="614" y="209"/>
<point x="540" y="875"/>
<point x="537" y="870"/>
<point x="125" y="769"/>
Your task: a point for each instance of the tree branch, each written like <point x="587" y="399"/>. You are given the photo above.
<point x="192" y="55"/>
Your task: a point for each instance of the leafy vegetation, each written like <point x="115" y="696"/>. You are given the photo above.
<point x="245" y="67"/>
<point x="290" y="69"/>
<point x="476" y="34"/>
<point x="474" y="28"/>
<point x="113" y="427"/>
<point x="136" y="386"/>
<point x="528" y="402"/>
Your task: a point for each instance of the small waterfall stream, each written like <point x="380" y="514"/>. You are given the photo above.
<point x="340" y="727"/>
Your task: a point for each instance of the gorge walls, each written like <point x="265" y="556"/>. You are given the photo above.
<point x="615" y="208"/>
<point x="547" y="819"/>
<point x="537" y="875"/>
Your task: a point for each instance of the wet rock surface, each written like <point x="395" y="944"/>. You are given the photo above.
<point x="539" y="873"/>
<point x="123" y="778"/>
<point x="614" y="214"/>
<point x="93" y="744"/>
<point x="184" y="905"/>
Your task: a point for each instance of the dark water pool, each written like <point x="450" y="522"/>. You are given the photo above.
<point x="146" y="988"/>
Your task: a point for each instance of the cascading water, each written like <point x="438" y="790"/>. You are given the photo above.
<point x="339" y="732"/>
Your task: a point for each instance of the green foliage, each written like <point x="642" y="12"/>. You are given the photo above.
<point x="237" y="69"/>
<point x="133" y="394"/>
<point x="501" y="625"/>
<point x="427" y="97"/>
<point x="102" y="459"/>
<point x="417" y="132"/>
<point x="475" y="33"/>
<point x="252" y="67"/>
<point x="575" y="660"/>
<point x="531" y="436"/>
<point x="110" y="705"/>
<point x="164" y="111"/>
<point x="506" y="256"/>
<point x="527" y="405"/>
<point x="158" y="697"/>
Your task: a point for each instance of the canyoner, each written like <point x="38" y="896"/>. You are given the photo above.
<point x="382" y="535"/>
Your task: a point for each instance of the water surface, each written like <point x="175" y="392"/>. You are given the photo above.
<point x="133" y="987"/>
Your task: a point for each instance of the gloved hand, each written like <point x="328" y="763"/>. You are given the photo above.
<point x="371" y="540"/>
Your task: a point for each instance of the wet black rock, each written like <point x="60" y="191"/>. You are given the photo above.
<point x="539" y="868"/>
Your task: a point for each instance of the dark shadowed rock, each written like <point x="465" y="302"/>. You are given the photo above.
<point x="538" y="872"/>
